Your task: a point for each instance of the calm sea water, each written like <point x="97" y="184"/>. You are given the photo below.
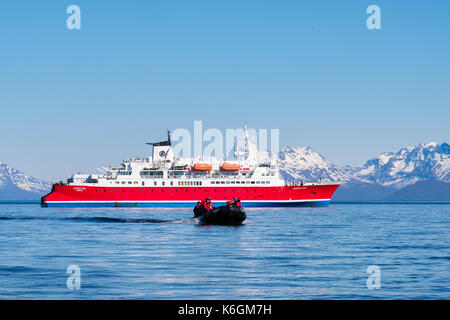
<point x="305" y="253"/>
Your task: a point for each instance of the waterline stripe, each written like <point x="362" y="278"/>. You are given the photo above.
<point x="185" y="201"/>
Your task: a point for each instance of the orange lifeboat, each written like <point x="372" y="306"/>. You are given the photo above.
<point x="227" y="166"/>
<point x="202" y="166"/>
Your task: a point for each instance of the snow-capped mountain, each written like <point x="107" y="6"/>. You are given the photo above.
<point x="304" y="164"/>
<point x="295" y="163"/>
<point x="16" y="185"/>
<point x="407" y="166"/>
<point x="377" y="179"/>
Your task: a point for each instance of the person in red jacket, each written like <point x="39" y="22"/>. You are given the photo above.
<point x="235" y="201"/>
<point x="208" y="204"/>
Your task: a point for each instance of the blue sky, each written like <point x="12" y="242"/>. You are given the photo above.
<point x="74" y="100"/>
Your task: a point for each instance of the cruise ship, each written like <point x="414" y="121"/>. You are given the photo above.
<point x="164" y="180"/>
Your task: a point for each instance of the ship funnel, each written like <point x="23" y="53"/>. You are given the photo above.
<point x="162" y="151"/>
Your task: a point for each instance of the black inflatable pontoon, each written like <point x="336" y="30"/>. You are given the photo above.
<point x="224" y="215"/>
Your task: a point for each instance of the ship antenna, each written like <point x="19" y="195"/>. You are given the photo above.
<point x="247" y="146"/>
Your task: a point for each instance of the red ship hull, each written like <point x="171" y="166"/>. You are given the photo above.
<point x="95" y="196"/>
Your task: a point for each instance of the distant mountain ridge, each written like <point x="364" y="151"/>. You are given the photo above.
<point x="407" y="166"/>
<point x="15" y="185"/>
<point x="304" y="164"/>
<point x="417" y="168"/>
<point x="425" y="190"/>
<point x="419" y="172"/>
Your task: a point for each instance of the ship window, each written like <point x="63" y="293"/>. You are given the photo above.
<point x="253" y="182"/>
<point x="136" y="182"/>
<point x="228" y="182"/>
<point x="175" y="174"/>
<point x="222" y="182"/>
<point x="151" y="174"/>
<point x="171" y="183"/>
<point x="129" y="182"/>
<point x="258" y="182"/>
<point x="123" y="182"/>
<point x="143" y="183"/>
<point x="155" y="183"/>
<point x="117" y="182"/>
<point x="163" y="183"/>
<point x="267" y="182"/>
